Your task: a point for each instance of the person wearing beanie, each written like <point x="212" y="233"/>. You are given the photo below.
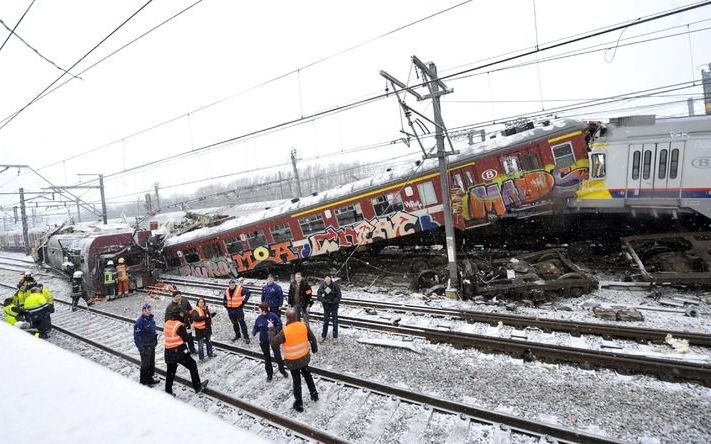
<point x="146" y="339"/>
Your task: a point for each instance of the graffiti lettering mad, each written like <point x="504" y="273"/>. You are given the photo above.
<point x="512" y="193"/>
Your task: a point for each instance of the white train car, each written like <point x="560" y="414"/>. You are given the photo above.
<point x="645" y="165"/>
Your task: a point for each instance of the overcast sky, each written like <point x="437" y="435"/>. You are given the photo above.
<point x="219" y="48"/>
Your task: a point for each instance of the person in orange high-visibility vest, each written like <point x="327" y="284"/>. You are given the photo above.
<point x="234" y="299"/>
<point x="297" y="343"/>
<point x="202" y="324"/>
<point x="176" y="352"/>
<point x="122" y="275"/>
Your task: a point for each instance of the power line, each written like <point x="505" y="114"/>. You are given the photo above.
<point x="12" y="31"/>
<point x="36" y="51"/>
<point x="75" y="64"/>
<point x="244" y="91"/>
<point x="341" y="108"/>
<point x="107" y="57"/>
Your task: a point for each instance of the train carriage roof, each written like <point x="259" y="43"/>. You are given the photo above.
<point x="394" y="175"/>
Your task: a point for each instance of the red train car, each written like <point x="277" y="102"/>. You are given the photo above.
<point x="520" y="175"/>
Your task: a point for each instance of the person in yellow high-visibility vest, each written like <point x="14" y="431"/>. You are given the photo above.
<point x="297" y="343"/>
<point x="110" y="280"/>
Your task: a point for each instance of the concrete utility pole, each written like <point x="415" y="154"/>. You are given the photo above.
<point x="155" y="187"/>
<point x="78" y="211"/>
<point x="103" y="198"/>
<point x="436" y="89"/>
<point x="23" y="216"/>
<point x="706" y="78"/>
<point x="296" y="172"/>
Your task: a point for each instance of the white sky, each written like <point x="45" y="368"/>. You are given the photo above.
<point x="220" y="47"/>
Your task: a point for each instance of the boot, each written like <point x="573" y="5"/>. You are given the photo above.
<point x="203" y="386"/>
<point x="314" y="396"/>
<point x="269" y="378"/>
<point x="298" y="406"/>
<point x="283" y="373"/>
<point x="246" y="340"/>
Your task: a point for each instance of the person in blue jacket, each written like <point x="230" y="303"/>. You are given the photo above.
<point x="146" y="339"/>
<point x="273" y="295"/>
<point x="267" y="325"/>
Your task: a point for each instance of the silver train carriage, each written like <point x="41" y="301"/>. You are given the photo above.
<point x="644" y="165"/>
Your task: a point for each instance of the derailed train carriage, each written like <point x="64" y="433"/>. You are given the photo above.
<point x="88" y="248"/>
<point x="519" y="175"/>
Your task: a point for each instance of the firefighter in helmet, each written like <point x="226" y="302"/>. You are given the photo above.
<point x="122" y="275"/>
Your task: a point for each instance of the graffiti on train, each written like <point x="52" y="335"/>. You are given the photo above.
<point x="513" y="193"/>
<point x="216" y="267"/>
<point x="367" y="231"/>
<point x="362" y="233"/>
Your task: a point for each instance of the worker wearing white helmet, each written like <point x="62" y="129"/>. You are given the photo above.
<point x="110" y="280"/>
<point x="122" y="275"/>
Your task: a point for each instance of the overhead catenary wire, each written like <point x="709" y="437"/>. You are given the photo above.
<point x="12" y="31"/>
<point x="3" y="125"/>
<point x="287" y="124"/>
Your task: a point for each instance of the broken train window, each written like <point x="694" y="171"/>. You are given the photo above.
<point x="349" y="214"/>
<point x="387" y="204"/>
<point x="510" y="164"/>
<point x="597" y="165"/>
<point x="311" y="224"/>
<point x="191" y="255"/>
<point x="281" y="233"/>
<point x="563" y="154"/>
<point x="234" y="245"/>
<point x="256" y="239"/>
<point x="529" y="162"/>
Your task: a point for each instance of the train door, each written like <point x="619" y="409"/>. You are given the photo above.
<point x="646" y="182"/>
<point x="676" y="157"/>
<point x="661" y="167"/>
<point x="634" y="164"/>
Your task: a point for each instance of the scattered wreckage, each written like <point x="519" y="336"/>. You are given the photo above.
<point x="535" y="276"/>
<point x="672" y="258"/>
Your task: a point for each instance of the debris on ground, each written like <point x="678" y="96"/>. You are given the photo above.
<point x="680" y="345"/>
<point x="391" y="343"/>
<point x="618" y="314"/>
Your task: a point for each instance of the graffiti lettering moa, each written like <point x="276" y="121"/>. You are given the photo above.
<point x="515" y="193"/>
<point x="278" y="253"/>
<point x="217" y="267"/>
<point x="333" y="239"/>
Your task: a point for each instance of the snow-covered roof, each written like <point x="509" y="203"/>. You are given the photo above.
<point x="61" y="397"/>
<point x="396" y="174"/>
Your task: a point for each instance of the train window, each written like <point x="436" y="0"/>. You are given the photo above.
<point x="563" y="154"/>
<point x="635" y="165"/>
<point x="662" y="173"/>
<point x="281" y="233"/>
<point x="386" y="204"/>
<point x="470" y="180"/>
<point x="256" y="239"/>
<point x="191" y="255"/>
<point x="311" y="224"/>
<point x="510" y="164"/>
<point x="458" y="181"/>
<point x="408" y="191"/>
<point x="172" y="260"/>
<point x="674" y="164"/>
<point x="234" y="245"/>
<point x="530" y="162"/>
<point x="646" y="165"/>
<point x="598" y="167"/>
<point x="427" y="193"/>
<point x="211" y="250"/>
<point x="349" y="214"/>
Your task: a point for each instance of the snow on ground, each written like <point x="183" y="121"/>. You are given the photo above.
<point x="624" y="407"/>
<point x="61" y="397"/>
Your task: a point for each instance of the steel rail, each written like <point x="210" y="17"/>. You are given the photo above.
<point x="662" y="368"/>
<point x="517" y="424"/>
<point x="575" y="328"/>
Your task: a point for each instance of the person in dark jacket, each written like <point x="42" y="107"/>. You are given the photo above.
<point x="273" y="295"/>
<point x="297" y="343"/>
<point x="300" y="297"/>
<point x="176" y="352"/>
<point x="146" y="339"/>
<point x="329" y="294"/>
<point x="236" y="296"/>
<point x="202" y="323"/>
<point x="267" y="325"/>
<point x="182" y="305"/>
<point x="27" y="280"/>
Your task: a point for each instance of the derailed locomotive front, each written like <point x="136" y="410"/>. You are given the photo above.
<point x="90" y="248"/>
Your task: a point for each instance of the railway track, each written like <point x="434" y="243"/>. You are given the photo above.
<point x="573" y="327"/>
<point x="349" y="409"/>
<point x="667" y="369"/>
